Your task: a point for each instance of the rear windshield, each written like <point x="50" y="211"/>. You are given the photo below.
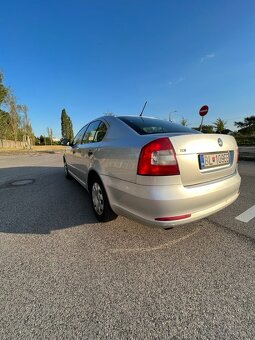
<point x="146" y="126"/>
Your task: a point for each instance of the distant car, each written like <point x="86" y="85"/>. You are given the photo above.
<point x="153" y="171"/>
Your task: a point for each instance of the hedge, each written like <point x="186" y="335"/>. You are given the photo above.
<point x="245" y="140"/>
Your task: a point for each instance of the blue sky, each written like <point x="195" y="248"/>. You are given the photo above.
<point x="92" y="57"/>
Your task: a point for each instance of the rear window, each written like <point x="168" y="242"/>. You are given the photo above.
<point x="147" y="126"/>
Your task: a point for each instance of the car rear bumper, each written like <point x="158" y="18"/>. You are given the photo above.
<point x="146" y="203"/>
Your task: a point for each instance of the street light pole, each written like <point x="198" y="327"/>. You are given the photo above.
<point x="169" y="117"/>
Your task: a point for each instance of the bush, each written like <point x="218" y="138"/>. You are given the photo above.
<point x="245" y="140"/>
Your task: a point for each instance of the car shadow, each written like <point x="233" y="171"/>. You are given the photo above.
<point x="38" y="200"/>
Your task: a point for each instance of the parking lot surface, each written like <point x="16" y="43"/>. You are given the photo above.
<point x="64" y="275"/>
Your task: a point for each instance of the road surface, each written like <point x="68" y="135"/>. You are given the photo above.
<point x="65" y="276"/>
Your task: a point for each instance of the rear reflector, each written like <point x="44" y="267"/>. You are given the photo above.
<point x="173" y="218"/>
<point x="158" y="158"/>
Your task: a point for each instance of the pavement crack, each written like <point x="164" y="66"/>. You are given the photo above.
<point x="159" y="247"/>
<point x="231" y="231"/>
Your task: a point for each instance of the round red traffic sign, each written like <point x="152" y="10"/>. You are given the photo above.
<point x="203" y="111"/>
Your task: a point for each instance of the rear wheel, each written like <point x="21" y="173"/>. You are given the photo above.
<point x="67" y="174"/>
<point x="100" y="203"/>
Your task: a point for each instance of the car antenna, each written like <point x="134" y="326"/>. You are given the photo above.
<point x="143" y="109"/>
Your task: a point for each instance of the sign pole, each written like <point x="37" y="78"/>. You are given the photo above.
<point x="201" y="123"/>
<point x="202" y="112"/>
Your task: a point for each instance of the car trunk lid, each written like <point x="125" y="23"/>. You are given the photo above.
<point x="204" y="157"/>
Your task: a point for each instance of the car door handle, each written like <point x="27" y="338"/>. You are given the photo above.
<point x="90" y="153"/>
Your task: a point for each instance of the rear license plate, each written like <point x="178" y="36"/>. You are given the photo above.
<point x="211" y="160"/>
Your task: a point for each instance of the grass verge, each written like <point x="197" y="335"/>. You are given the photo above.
<point x="36" y="148"/>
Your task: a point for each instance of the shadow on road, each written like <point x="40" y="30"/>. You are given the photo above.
<point x="41" y="201"/>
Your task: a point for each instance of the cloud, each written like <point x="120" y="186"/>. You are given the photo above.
<point x="208" y="56"/>
<point x="176" y="81"/>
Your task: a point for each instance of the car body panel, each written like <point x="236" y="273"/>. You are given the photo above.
<point x="194" y="191"/>
<point x="150" y="202"/>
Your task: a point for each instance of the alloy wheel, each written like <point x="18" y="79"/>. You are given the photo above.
<point x="97" y="198"/>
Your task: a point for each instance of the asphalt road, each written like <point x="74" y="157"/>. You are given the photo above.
<point x="65" y="276"/>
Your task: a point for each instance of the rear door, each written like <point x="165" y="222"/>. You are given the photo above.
<point x="89" y="147"/>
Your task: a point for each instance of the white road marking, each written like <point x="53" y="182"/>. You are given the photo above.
<point x="247" y="215"/>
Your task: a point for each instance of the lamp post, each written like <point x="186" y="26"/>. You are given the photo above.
<point x="169" y="117"/>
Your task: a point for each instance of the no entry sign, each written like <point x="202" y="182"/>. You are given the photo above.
<point x="203" y="111"/>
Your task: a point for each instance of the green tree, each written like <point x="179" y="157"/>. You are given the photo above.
<point x="184" y="122"/>
<point x="14" y="117"/>
<point x="64" y="118"/>
<point x="66" y="126"/>
<point x="247" y="126"/>
<point x="205" y="129"/>
<point x="41" y="138"/>
<point x="12" y="124"/>
<point x="4" y="124"/>
<point x="4" y="116"/>
<point x="3" y="90"/>
<point x="50" y="135"/>
<point x="220" y="125"/>
<point x="26" y="130"/>
<point x="70" y="130"/>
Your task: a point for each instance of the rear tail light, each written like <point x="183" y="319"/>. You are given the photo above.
<point x="158" y="158"/>
<point x="173" y="218"/>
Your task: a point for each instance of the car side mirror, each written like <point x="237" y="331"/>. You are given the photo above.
<point x="66" y="142"/>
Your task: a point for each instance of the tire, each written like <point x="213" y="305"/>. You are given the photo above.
<point x="100" y="202"/>
<point x="67" y="174"/>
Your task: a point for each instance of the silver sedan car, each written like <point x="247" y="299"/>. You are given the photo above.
<point x="153" y="171"/>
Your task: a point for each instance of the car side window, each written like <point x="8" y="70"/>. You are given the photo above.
<point x="101" y="131"/>
<point x="91" y="132"/>
<point x="78" y="138"/>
